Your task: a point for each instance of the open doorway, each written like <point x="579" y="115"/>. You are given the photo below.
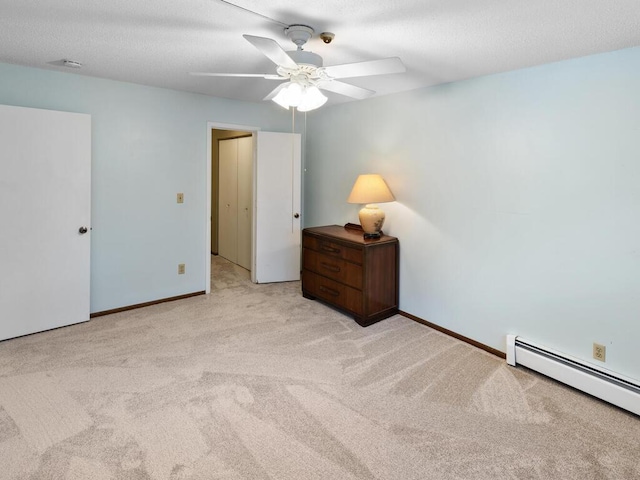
<point x="276" y="224"/>
<point x="231" y="201"/>
<point x="219" y="132"/>
<point x="231" y="192"/>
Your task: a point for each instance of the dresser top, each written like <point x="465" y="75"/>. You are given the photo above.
<point x="349" y="234"/>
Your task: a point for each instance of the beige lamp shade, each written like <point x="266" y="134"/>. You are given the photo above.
<point x="371" y="189"/>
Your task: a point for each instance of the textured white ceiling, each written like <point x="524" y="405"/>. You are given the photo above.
<point x="158" y="42"/>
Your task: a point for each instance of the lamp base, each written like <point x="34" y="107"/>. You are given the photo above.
<point x="371" y="219"/>
<point x="373" y="235"/>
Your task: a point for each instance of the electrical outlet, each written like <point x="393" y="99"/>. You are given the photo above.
<point x="180" y="197"/>
<point x="599" y="352"/>
<point x="181" y="269"/>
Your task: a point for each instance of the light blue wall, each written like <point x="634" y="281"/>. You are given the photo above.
<point x="518" y="200"/>
<point x="148" y="144"/>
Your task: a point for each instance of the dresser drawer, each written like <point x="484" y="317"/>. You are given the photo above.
<point x="333" y="249"/>
<point x="333" y="268"/>
<point x="338" y="294"/>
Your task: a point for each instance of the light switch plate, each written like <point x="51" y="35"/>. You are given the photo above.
<point x="180" y="197"/>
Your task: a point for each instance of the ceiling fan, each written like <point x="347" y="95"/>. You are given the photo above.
<point x="304" y="75"/>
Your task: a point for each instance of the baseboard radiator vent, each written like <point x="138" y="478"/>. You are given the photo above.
<point x="601" y="383"/>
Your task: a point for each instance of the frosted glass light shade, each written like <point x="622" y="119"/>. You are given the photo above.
<point x="290" y="96"/>
<point x="370" y="189"/>
<point x="281" y="99"/>
<point x="304" y="98"/>
<point x="311" y="99"/>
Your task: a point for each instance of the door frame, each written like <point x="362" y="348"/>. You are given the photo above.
<point x="207" y="254"/>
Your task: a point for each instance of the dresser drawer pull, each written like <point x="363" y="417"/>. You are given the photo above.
<point x="331" y="268"/>
<point x="330" y="291"/>
<point x="330" y="249"/>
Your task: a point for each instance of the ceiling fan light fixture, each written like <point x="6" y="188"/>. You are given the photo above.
<point x="312" y="99"/>
<point x="281" y="99"/>
<point x="289" y="96"/>
<point x="304" y="98"/>
<point x="294" y="94"/>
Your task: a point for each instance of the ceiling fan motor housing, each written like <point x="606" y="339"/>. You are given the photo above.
<point x="298" y="34"/>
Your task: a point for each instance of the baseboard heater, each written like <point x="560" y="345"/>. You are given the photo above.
<point x="606" y="385"/>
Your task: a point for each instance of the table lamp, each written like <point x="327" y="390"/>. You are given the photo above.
<point x="371" y="189"/>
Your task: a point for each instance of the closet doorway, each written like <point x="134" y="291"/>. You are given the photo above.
<point x="232" y="195"/>
<point x="275" y="202"/>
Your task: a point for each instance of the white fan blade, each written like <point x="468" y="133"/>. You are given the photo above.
<point x="252" y="75"/>
<point x="272" y="51"/>
<point x="363" y="69"/>
<point x="346" y="89"/>
<point x="275" y="91"/>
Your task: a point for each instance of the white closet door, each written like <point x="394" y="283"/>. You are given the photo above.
<point x="228" y="200"/>
<point x="245" y="195"/>
<point x="45" y="201"/>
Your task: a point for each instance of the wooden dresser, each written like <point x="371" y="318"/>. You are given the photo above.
<point x="355" y="275"/>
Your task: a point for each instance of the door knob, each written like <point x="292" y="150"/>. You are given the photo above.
<point x="82" y="230"/>
<point x="296" y="215"/>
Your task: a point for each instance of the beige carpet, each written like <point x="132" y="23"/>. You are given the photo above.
<point x="255" y="382"/>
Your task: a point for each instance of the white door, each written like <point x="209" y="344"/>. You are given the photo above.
<point x="45" y="200"/>
<point x="277" y="207"/>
